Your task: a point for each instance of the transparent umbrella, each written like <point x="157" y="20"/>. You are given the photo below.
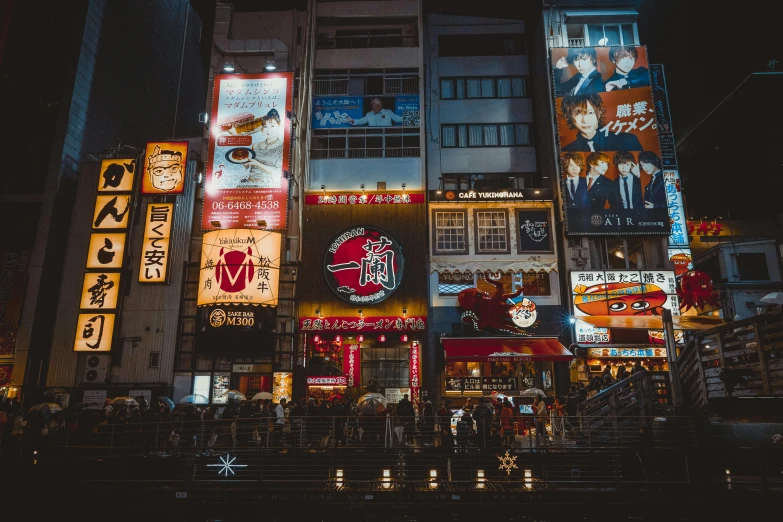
<point x="54" y="392"/>
<point x="773" y="298"/>
<point x="124" y="401"/>
<point x="166" y="402"/>
<point x="262" y="395"/>
<point x="45" y="408"/>
<point x="371" y="404"/>
<point x="236" y="395"/>
<point x="533" y="392"/>
<point x="194" y="399"/>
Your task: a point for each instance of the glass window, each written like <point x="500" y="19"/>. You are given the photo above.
<point x="626" y="30"/>
<point x="487" y="87"/>
<point x="490" y="135"/>
<point x="476" y="132"/>
<point x="450" y="232"/>
<point x="492" y="231"/>
<point x="504" y="87"/>
<point x="460" y="88"/>
<point x="535" y="283"/>
<point x="454" y="283"/>
<point x="463" y="135"/>
<point x="518" y="87"/>
<point x="752" y="267"/>
<point x="474" y="87"/>
<point x="507" y="135"/>
<point x="522" y="133"/>
<point x="447" y="89"/>
<point x="449" y="136"/>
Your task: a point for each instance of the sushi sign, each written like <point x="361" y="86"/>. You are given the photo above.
<point x="623" y="292"/>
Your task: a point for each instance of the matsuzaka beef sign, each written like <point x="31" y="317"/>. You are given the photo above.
<point x="363" y="265"/>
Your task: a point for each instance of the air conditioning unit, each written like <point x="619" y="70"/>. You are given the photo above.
<point x="95" y="369"/>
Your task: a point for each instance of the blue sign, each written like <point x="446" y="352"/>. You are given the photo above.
<point x="336" y="112"/>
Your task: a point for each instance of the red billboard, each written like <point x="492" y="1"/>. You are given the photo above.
<point x="352" y="364"/>
<point x="250" y="139"/>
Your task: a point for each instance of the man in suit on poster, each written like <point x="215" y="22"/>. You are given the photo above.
<point x="600" y="189"/>
<point x="588" y="80"/>
<point x="575" y="185"/>
<point x="628" y="186"/>
<point x="625" y="76"/>
<point x="655" y="191"/>
<point x="585" y="114"/>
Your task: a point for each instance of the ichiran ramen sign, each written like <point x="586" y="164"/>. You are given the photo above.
<point x="363" y="265"/>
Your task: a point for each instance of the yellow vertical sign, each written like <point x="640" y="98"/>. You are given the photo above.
<point x="155" y="248"/>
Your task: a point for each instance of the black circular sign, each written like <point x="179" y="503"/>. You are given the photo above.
<point x="363" y="265"/>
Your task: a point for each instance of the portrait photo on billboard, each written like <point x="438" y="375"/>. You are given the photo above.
<point x="330" y="112"/>
<point x="164" y="167"/>
<point x="363" y="265"/>
<point x="249" y="147"/>
<point x="614" y="192"/>
<point x="588" y="70"/>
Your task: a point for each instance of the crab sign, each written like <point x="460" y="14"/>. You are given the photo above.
<point x="484" y="311"/>
<point x="695" y="290"/>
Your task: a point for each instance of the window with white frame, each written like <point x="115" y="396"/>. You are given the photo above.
<point x="450" y="232"/>
<point x="491" y="231"/>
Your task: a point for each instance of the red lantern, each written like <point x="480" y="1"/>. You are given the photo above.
<point x="382" y="338"/>
<point x="338" y="338"/>
<point x="360" y="338"/>
<point x="404" y="338"/>
<point x="316" y="338"/>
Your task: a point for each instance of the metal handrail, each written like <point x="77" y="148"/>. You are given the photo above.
<point x="367" y="41"/>
<point x="388" y="152"/>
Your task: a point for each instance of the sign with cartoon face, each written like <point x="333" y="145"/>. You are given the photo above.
<point x="100" y="291"/>
<point x="240" y="266"/>
<point x="363" y="265"/>
<point x="111" y="212"/>
<point x="117" y="175"/>
<point x="624" y="292"/>
<point x="524" y="313"/>
<point x="106" y="250"/>
<point x="164" y="167"/>
<point x="94" y="332"/>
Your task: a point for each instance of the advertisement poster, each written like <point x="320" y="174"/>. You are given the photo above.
<point x="363" y="265"/>
<point x="612" y="173"/>
<point x="623" y="292"/>
<point x="335" y="112"/>
<point x="249" y="151"/>
<point x="282" y="386"/>
<point x="239" y="266"/>
<point x="13" y="283"/>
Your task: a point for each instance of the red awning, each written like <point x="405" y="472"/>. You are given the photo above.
<point x="505" y="349"/>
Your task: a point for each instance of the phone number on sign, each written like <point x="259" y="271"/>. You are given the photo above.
<point x="245" y="205"/>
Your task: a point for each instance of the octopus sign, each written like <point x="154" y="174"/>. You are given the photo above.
<point x="622" y="292"/>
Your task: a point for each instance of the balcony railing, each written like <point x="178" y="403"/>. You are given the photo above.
<point x="367" y="41"/>
<point x="340" y="86"/>
<point x="390" y="152"/>
<point x="576" y="42"/>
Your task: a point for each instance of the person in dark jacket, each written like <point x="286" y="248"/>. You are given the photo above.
<point x="427" y="423"/>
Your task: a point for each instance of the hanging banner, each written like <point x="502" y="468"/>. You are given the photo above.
<point x="164" y="168"/>
<point x="13" y="283"/>
<point x="352" y="365"/>
<point x="415" y="376"/>
<point x="363" y="265"/>
<point x="239" y="266"/>
<point x="154" y="259"/>
<point x="612" y="173"/>
<point x="250" y="141"/>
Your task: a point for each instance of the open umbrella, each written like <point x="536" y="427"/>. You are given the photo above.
<point x="88" y="406"/>
<point x="236" y="395"/>
<point x="262" y="395"/>
<point x="44" y="408"/>
<point x="533" y="392"/>
<point x="166" y="402"/>
<point x="773" y="298"/>
<point x="194" y="399"/>
<point x="124" y="401"/>
<point x="371" y="404"/>
<point x="54" y="392"/>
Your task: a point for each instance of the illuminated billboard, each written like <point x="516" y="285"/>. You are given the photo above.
<point x="332" y="112"/>
<point x="155" y="247"/>
<point x="240" y="266"/>
<point x="623" y="292"/>
<point x="94" y="332"/>
<point x="117" y="175"/>
<point x="612" y="178"/>
<point x="164" y="168"/>
<point x="249" y="149"/>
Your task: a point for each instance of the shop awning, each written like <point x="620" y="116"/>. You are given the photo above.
<point x="505" y="349"/>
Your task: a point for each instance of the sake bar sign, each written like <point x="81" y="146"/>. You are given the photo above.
<point x="363" y="265"/>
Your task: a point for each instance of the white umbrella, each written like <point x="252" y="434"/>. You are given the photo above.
<point x="773" y="298"/>
<point x="262" y="395"/>
<point x="533" y="392"/>
<point x="371" y="403"/>
<point x="237" y="395"/>
<point x="194" y="399"/>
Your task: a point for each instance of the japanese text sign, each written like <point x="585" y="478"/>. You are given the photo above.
<point x="352" y="364"/>
<point x="623" y="292"/>
<point x="415" y="375"/>
<point x="249" y="149"/>
<point x="94" y="332"/>
<point x="100" y="291"/>
<point x="106" y="250"/>
<point x="363" y="265"/>
<point x="363" y="324"/>
<point x="117" y="175"/>
<point x="156" y="245"/>
<point x="240" y="266"/>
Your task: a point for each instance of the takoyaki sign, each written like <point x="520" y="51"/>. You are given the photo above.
<point x="624" y="292"/>
<point x="363" y="265"/>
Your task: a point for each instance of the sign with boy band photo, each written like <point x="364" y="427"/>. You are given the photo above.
<point x="612" y="178"/>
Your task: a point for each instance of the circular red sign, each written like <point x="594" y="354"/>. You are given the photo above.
<point x="363" y="265"/>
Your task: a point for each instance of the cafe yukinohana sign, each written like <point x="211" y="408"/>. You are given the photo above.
<point x="363" y="265"/>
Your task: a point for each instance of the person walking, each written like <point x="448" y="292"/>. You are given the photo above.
<point x="506" y="423"/>
<point x="539" y="407"/>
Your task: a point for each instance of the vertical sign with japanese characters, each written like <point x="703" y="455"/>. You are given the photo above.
<point x="155" y="247"/>
<point x="612" y="174"/>
<point x="250" y="142"/>
<point x="13" y="282"/>
<point x="415" y="378"/>
<point x="352" y="365"/>
<point x="101" y="283"/>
